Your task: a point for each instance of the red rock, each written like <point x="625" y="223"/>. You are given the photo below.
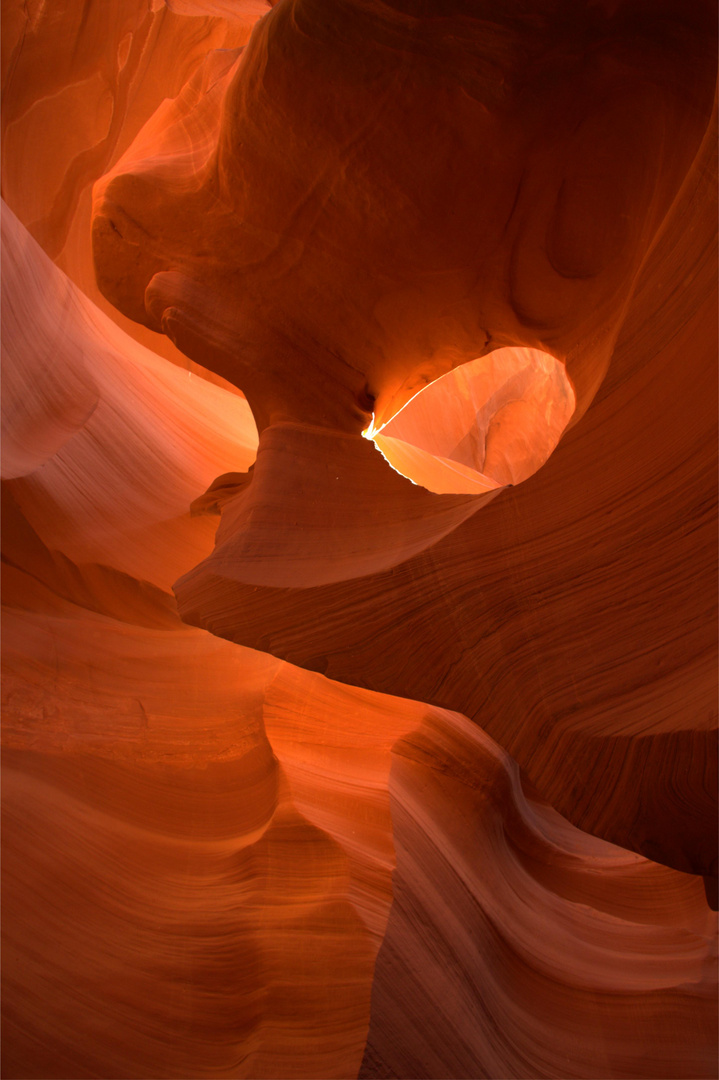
<point x="216" y="860"/>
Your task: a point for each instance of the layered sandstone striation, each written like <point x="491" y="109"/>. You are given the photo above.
<point x="406" y="766"/>
<point x="332" y="278"/>
<point x="481" y="953"/>
<point x="187" y="848"/>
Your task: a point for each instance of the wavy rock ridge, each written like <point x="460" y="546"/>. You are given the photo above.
<point x="336" y="790"/>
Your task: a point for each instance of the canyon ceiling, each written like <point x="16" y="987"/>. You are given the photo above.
<point x="359" y="421"/>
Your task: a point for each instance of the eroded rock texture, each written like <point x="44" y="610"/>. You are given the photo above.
<point x="394" y="773"/>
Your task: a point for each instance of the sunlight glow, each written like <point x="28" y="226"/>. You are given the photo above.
<point x="485" y="425"/>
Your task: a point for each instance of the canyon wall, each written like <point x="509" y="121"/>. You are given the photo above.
<point x="359" y="539"/>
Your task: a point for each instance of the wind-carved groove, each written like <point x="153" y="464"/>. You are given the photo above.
<point x="474" y="844"/>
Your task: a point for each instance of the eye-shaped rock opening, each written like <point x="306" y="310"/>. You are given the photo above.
<point x="484" y="425"/>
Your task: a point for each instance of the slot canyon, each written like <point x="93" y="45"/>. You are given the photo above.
<point x="359" y="533"/>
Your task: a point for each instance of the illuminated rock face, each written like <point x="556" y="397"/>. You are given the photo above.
<point x="324" y="839"/>
<point x="470" y="182"/>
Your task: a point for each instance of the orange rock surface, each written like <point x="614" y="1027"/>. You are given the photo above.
<point x="407" y="768"/>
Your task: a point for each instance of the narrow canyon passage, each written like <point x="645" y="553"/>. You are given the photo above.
<point x="359" y="429"/>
